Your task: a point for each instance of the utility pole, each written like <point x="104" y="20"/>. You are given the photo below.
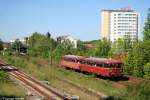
<point x="50" y="52"/>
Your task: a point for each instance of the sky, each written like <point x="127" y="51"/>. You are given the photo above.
<point x="79" y="18"/>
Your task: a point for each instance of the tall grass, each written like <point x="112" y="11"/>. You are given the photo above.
<point x="140" y="91"/>
<point x="11" y="89"/>
<point x="51" y="73"/>
<point x="3" y="77"/>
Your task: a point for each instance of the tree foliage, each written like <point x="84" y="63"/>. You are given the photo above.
<point x="44" y="46"/>
<point x="17" y="45"/>
<point x="39" y="45"/>
<point x="147" y="27"/>
<point x="136" y="53"/>
<point x="48" y="35"/>
<point x="121" y="46"/>
<point x="81" y="48"/>
<point x="135" y="60"/>
<point x="1" y="44"/>
<point x="3" y="76"/>
<point x="103" y="47"/>
<point x="138" y="91"/>
<point x="147" y="71"/>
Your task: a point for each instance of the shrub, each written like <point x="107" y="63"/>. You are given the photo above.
<point x="20" y="63"/>
<point x="137" y="92"/>
<point x="146" y="70"/>
<point x="3" y="77"/>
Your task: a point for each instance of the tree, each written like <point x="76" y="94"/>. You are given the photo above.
<point x="146" y="51"/>
<point x="81" y="49"/>
<point x="39" y="45"/>
<point x="127" y="43"/>
<point x="122" y="45"/>
<point x="117" y="47"/>
<point x="3" y="76"/>
<point x="17" y="45"/>
<point x="48" y="35"/>
<point x="135" y="60"/>
<point x="146" y="70"/>
<point x="58" y="52"/>
<point x="103" y="47"/>
<point x="1" y="44"/>
<point x="147" y="27"/>
<point x="63" y="48"/>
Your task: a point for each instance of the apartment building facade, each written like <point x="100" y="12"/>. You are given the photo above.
<point x="119" y="23"/>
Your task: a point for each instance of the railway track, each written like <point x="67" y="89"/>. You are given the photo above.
<point x="86" y="90"/>
<point x="48" y="93"/>
<point x="121" y="82"/>
<point x="51" y="94"/>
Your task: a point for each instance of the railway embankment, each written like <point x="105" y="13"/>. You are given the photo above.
<point x="40" y="69"/>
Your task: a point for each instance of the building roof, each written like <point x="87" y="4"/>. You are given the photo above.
<point x="126" y="9"/>
<point x="74" y="56"/>
<point x="103" y="60"/>
<point x="5" y="45"/>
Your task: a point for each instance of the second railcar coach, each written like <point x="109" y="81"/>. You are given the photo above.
<point x="98" y="66"/>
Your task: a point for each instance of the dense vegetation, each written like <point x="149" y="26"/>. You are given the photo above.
<point x="137" y="92"/>
<point x="6" y="87"/>
<point x="3" y="77"/>
<point x="40" y="68"/>
<point x="134" y="54"/>
<point x="1" y="45"/>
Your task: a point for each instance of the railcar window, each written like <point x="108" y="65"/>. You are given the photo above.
<point x="99" y="65"/>
<point x="118" y="65"/>
<point x="106" y="65"/>
<point x="69" y="60"/>
<point x="91" y="63"/>
<point x="112" y="65"/>
<point x="82" y="62"/>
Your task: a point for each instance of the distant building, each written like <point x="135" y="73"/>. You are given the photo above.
<point x="68" y="37"/>
<point x="23" y="41"/>
<point x="5" y="45"/>
<point x="90" y="46"/>
<point x="21" y="47"/>
<point x="118" y="23"/>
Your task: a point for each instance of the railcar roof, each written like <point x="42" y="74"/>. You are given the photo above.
<point x="103" y="60"/>
<point x="74" y="56"/>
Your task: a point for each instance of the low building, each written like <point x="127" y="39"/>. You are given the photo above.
<point x="23" y="41"/>
<point x="68" y="37"/>
<point x="5" y="45"/>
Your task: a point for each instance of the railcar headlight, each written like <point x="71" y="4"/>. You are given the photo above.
<point x="110" y="70"/>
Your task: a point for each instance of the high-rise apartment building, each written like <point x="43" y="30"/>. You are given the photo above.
<point x="118" y="23"/>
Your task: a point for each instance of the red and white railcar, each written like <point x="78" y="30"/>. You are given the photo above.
<point x="98" y="66"/>
<point x="72" y="61"/>
<point x="102" y="66"/>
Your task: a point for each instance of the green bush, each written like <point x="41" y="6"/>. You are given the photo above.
<point x="137" y="92"/>
<point x="3" y="77"/>
<point x="146" y="70"/>
<point x="20" y="63"/>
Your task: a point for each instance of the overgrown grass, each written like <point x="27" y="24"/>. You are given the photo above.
<point x="46" y="72"/>
<point x="10" y="89"/>
<point x="43" y="71"/>
<point x="3" y="77"/>
<point x="139" y="91"/>
<point x="49" y="73"/>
